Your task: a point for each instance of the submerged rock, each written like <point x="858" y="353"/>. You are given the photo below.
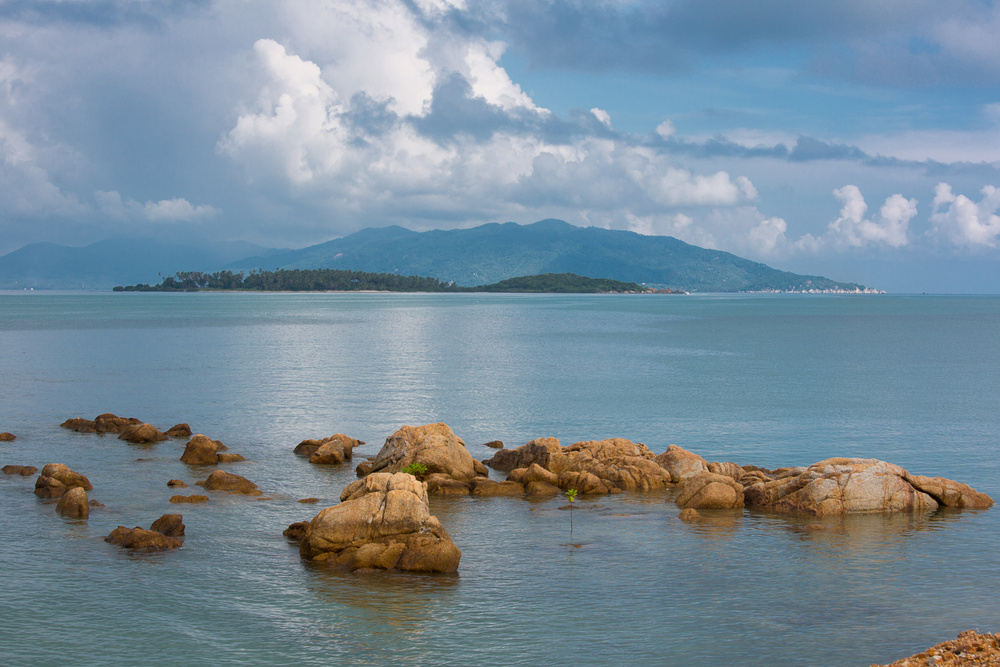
<point x="177" y="483"/>
<point x="221" y="480"/>
<point x="105" y="423"/>
<point x="56" y="479"/>
<point x="140" y="539"/>
<point x="74" y="504"/>
<point x="24" y="471"/>
<point x="142" y="434"/>
<point x="383" y="522"/>
<point x="7" y="436"/>
<point x="494" y="444"/>
<point x="189" y="499"/>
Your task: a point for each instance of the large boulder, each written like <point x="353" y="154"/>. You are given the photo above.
<point x="56" y="479"/>
<point x="620" y="464"/>
<point x="432" y="445"/>
<point x="142" y="434"/>
<point x="709" y="490"/>
<point x="74" y="504"/>
<point x="681" y="463"/>
<point x="383" y="522"/>
<point x="334" y="450"/>
<point x="536" y="451"/>
<point x="201" y="450"/>
<point x="848" y="485"/>
<point x="220" y="480"/>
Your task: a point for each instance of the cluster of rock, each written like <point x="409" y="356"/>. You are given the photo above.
<point x="336" y="449"/>
<point x="129" y="429"/>
<point x="164" y="534"/>
<point x="970" y="648"/>
<point x="383" y="522"/>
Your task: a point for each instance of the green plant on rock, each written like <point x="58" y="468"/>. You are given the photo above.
<point x="571" y="496"/>
<point x="415" y="469"/>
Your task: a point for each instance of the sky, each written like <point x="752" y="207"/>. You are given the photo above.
<point x="856" y="140"/>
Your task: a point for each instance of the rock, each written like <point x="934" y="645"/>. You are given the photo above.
<point x="485" y="487"/>
<point x="79" y="424"/>
<point x="533" y="473"/>
<point x="220" y="480"/>
<point x="480" y="469"/>
<point x="201" y="451"/>
<point x="56" y="479"/>
<point x="432" y="445"/>
<point x="847" y="485"/>
<point x="296" y="531"/>
<point x="189" y="499"/>
<point x="178" y="431"/>
<point x="140" y="539"/>
<point x="177" y="483"/>
<point x="617" y="462"/>
<point x="729" y="469"/>
<point x="364" y="468"/>
<point x="540" y="488"/>
<point x="142" y="434"/>
<point x="970" y="648"/>
<point x="334" y="450"/>
<point x="171" y="525"/>
<point x="948" y="493"/>
<point x="535" y="451"/>
<point x="7" y="436"/>
<point x="309" y="501"/>
<point x="681" y="463"/>
<point x="689" y="514"/>
<point x="384" y="522"/>
<point x="494" y="444"/>
<point x="440" y="484"/>
<point x="106" y="423"/>
<point x="708" y="490"/>
<point x="229" y="457"/>
<point x="74" y="504"/>
<point x="584" y="482"/>
<point x="24" y="471"/>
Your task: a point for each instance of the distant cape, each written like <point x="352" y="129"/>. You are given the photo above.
<point x="469" y="257"/>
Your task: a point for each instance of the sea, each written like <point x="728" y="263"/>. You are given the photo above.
<point x="766" y="379"/>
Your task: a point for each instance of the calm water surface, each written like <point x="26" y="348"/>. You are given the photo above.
<point x="770" y="380"/>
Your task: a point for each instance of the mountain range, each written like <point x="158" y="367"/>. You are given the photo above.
<point x="477" y="256"/>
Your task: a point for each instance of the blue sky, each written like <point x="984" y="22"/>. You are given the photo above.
<point x="854" y="139"/>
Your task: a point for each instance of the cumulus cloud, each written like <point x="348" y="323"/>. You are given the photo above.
<point x="166" y="210"/>
<point x="851" y="229"/>
<point x="964" y="223"/>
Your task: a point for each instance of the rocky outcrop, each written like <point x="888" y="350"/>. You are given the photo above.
<point x="7" y="436"/>
<point x="433" y="446"/>
<point x="106" y="423"/>
<point x="142" y="434"/>
<point x="620" y="464"/>
<point x="383" y="522"/>
<point x="24" y="471"/>
<point x="709" y="490"/>
<point x="680" y="463"/>
<point x="56" y="479"/>
<point x="171" y="525"/>
<point x="221" y="480"/>
<point x="74" y="504"/>
<point x="334" y="450"/>
<point x="536" y="451"/>
<point x="178" y="431"/>
<point x="201" y="450"/>
<point x="848" y="485"/>
<point x="970" y="648"/>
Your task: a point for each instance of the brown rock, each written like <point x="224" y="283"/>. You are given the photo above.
<point x="948" y="493"/>
<point x="681" y="463"/>
<point x="142" y="434"/>
<point x="364" y="468"/>
<point x="177" y="483"/>
<point x="201" y="451"/>
<point x="707" y="490"/>
<point x="729" y="469"/>
<point x="74" y="504"/>
<point x="617" y="462"/>
<point x="189" y="499"/>
<point x="79" y="424"/>
<point x="485" y="487"/>
<point x="494" y="444"/>
<point x="440" y="484"/>
<point x="533" y="473"/>
<point x="110" y="423"/>
<point x="24" y="471"/>
<point x="221" y="480"/>
<point x="229" y="457"/>
<point x="970" y="649"/>
<point x="179" y="431"/>
<point x="140" y="539"/>
<point x="535" y="451"/>
<point x="689" y="514"/>
<point x="384" y="522"/>
<point x="309" y="501"/>
<point x="7" y="436"/>
<point x="432" y="445"/>
<point x="584" y="482"/>
<point x="334" y="450"/>
<point x="56" y="478"/>
<point x="171" y="525"/>
<point x="540" y="488"/>
<point x="840" y="486"/>
<point x="296" y="531"/>
<point x="480" y="469"/>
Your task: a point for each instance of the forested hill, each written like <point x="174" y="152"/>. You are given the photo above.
<point x="494" y="252"/>
<point x="324" y="280"/>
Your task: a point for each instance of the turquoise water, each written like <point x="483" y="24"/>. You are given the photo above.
<point x="765" y="379"/>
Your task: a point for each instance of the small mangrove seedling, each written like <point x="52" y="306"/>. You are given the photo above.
<point x="415" y="469"/>
<point x="571" y="496"/>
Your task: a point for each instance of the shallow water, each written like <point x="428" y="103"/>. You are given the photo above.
<point x="771" y="380"/>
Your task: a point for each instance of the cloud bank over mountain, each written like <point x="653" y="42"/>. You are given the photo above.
<point x="780" y="132"/>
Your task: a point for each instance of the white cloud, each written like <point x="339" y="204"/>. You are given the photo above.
<point x="26" y="187"/>
<point x="113" y="205"/>
<point x="601" y="115"/>
<point x="490" y="81"/>
<point x="666" y="129"/>
<point x="964" y="223"/>
<point x="852" y="230"/>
